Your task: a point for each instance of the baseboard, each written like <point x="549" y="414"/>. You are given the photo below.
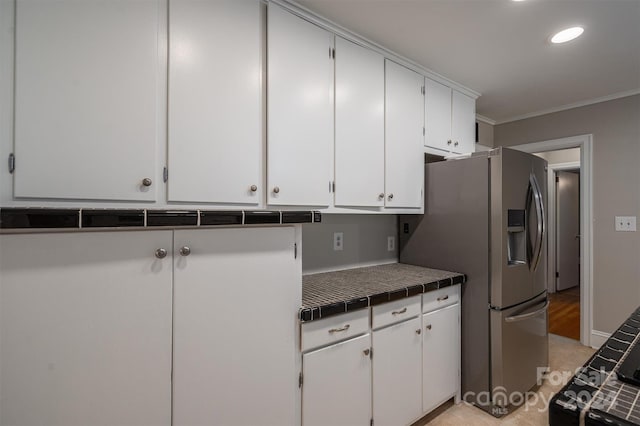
<point x="598" y="338"/>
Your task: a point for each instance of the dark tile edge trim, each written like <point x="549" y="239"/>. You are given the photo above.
<point x="78" y="218"/>
<point x="312" y="313"/>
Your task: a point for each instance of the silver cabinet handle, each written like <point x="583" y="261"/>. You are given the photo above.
<point x="440" y="299"/>
<point x="391" y="196"/>
<point x="276" y="189"/>
<point x="338" y="330"/>
<point x="401" y="311"/>
<point x="185" y="251"/>
<point x="449" y="142"/>
<point x="419" y="331"/>
<point x="456" y="143"/>
<point x="147" y="182"/>
<point x="428" y="327"/>
<point x="381" y="195"/>
<point x="161" y="253"/>
<point x="253" y="188"/>
<point x="366" y="352"/>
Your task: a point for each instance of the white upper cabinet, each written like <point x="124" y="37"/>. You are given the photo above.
<point x="404" y="121"/>
<point x="359" y="144"/>
<point x="86" y="99"/>
<point x="300" y="105"/>
<point x="463" y="122"/>
<point x="437" y="116"/>
<point x="215" y="102"/>
<point x="450" y="118"/>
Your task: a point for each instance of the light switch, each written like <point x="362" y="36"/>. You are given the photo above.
<point x="626" y="223"/>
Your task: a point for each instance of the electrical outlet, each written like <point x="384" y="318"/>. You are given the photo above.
<point x="338" y="241"/>
<point x="626" y="223"/>
<point x="391" y="243"/>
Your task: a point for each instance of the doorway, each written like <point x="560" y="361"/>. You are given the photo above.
<point x="584" y="145"/>
<point x="564" y="306"/>
<point x="563" y="284"/>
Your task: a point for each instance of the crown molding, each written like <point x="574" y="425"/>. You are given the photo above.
<point x="484" y="119"/>
<point x="569" y="106"/>
<point x="311" y="16"/>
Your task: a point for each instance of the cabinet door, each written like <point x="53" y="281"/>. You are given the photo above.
<point x="440" y="356"/>
<point x="397" y="383"/>
<point x="404" y="121"/>
<point x="437" y="116"/>
<point x="86" y="99"/>
<point x="463" y="123"/>
<point x="359" y="145"/>
<point x="85" y="329"/>
<point x="236" y="297"/>
<point x="337" y="384"/>
<point x="300" y="105"/>
<point x="215" y="121"/>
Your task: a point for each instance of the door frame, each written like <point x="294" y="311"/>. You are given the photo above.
<point x="585" y="143"/>
<point x="552" y="261"/>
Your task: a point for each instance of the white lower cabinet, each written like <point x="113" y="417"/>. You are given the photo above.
<point x="414" y="365"/>
<point x="440" y="356"/>
<point x="397" y="383"/>
<point x="85" y="329"/>
<point x="337" y="384"/>
<point x="87" y="321"/>
<point x="236" y="296"/>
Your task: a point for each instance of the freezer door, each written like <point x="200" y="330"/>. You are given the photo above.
<point x="519" y="349"/>
<point x="518" y="227"/>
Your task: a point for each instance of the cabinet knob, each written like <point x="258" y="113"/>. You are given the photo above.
<point x="449" y="142"/>
<point x="253" y="188"/>
<point x="185" y="251"/>
<point x="456" y="144"/>
<point x="381" y="196"/>
<point x="276" y="189"/>
<point x="161" y="253"/>
<point x="419" y="331"/>
<point x="147" y="182"/>
<point x="366" y="352"/>
<point x="428" y="327"/>
<point x="391" y="196"/>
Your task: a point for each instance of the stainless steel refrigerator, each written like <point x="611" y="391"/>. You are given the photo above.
<point x="485" y="217"/>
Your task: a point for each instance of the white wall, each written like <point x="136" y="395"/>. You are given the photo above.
<point x="615" y="126"/>
<point x="571" y="155"/>
<point x="365" y="242"/>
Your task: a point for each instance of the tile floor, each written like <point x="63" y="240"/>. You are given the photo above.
<point x="564" y="355"/>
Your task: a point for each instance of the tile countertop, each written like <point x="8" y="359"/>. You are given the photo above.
<point x="332" y="293"/>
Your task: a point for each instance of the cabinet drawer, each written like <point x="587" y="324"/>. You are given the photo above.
<point x="392" y="312"/>
<point x="440" y="298"/>
<point x="334" y="329"/>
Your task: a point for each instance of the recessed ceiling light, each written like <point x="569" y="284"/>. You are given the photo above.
<point x="567" y="35"/>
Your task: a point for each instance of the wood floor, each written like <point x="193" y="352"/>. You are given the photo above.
<point x="564" y="313"/>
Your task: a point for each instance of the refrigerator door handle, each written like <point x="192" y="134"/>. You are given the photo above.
<point x="540" y="221"/>
<point x="522" y="317"/>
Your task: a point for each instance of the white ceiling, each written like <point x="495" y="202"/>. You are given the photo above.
<point x="500" y="48"/>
